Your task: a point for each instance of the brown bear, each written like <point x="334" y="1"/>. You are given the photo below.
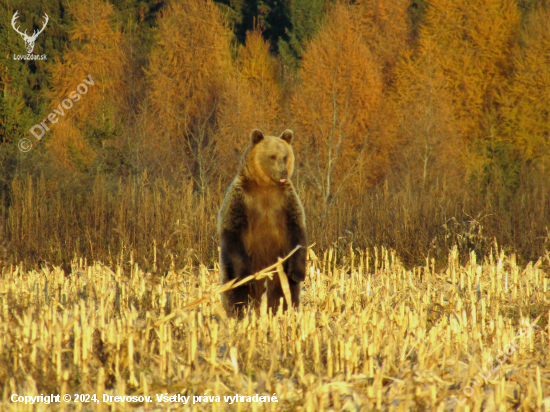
<point x="261" y="219"/>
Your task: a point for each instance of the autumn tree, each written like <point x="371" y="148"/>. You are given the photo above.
<point x="446" y="89"/>
<point x="97" y="56"/>
<point x="337" y="107"/>
<point x="470" y="42"/>
<point x="386" y="30"/>
<point x="431" y="144"/>
<point x="254" y="100"/>
<point x="189" y="70"/>
<point x="526" y="105"/>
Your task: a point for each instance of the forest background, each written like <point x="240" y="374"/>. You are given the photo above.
<point x="418" y="124"/>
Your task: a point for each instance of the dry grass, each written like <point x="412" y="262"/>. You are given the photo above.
<point x="52" y="220"/>
<point x="370" y="335"/>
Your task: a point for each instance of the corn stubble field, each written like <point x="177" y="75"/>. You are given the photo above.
<point x="370" y="335"/>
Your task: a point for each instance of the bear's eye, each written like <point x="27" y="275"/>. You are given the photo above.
<point x="286" y="157"/>
<point x="273" y="157"/>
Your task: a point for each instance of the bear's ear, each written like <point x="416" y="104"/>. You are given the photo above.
<point x="256" y="136"/>
<point x="287" y="136"/>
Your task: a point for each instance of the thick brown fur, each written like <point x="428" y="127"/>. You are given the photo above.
<point x="261" y="219"/>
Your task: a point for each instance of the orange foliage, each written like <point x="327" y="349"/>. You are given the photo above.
<point x="386" y="29"/>
<point x="190" y="69"/>
<point x="257" y="68"/>
<point x="431" y="144"/>
<point x="253" y="101"/>
<point x="446" y="90"/>
<point x="97" y="52"/>
<point x="526" y="106"/>
<point x="69" y="147"/>
<point x="337" y="105"/>
<point x="469" y="42"/>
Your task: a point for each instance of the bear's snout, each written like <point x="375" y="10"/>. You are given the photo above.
<point x="283" y="174"/>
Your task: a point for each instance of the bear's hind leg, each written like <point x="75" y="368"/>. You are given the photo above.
<point x="236" y="300"/>
<point x="275" y="293"/>
<point x="295" y="288"/>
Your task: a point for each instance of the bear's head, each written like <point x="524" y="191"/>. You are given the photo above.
<point x="269" y="160"/>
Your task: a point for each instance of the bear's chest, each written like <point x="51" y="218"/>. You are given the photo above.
<point x="266" y="234"/>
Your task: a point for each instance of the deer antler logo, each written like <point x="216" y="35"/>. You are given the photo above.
<point x="29" y="40"/>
